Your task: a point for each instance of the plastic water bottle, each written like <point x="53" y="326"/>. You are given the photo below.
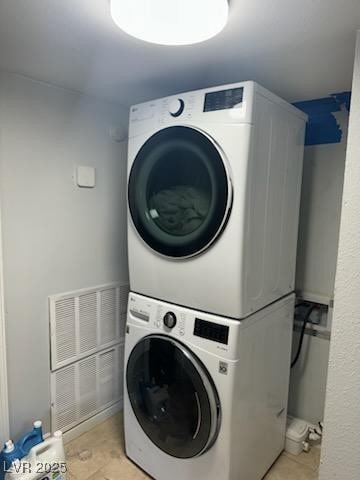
<point x="10" y="453"/>
<point x="30" y="439"/>
<point x="45" y="461"/>
<point x="16" y="451"/>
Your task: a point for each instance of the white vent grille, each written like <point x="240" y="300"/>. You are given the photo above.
<point x="84" y="322"/>
<point x="65" y="347"/>
<point x="109" y="314"/>
<point x="86" y="387"/>
<point x="107" y="380"/>
<point x="88" y="322"/>
<point x="64" y="393"/>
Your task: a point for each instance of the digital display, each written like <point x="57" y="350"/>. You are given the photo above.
<point x="211" y="331"/>
<point x="223" y="99"/>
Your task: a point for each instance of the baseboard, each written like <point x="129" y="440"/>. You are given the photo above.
<point x="93" y="421"/>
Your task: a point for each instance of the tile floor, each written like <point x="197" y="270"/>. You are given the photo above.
<point x="99" y="455"/>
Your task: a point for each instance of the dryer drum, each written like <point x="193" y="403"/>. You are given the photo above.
<point x="179" y="192"/>
<point x="172" y="396"/>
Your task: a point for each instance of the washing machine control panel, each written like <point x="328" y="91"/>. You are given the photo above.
<point x="211" y="331"/>
<point x="175" y="321"/>
<point x="170" y="320"/>
<point x="215" y="334"/>
<point x="140" y="309"/>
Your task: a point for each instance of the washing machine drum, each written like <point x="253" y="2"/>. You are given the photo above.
<point x="172" y="396"/>
<point x="179" y="192"/>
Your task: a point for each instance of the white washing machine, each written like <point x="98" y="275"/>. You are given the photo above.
<point x="214" y="181"/>
<point x="205" y="396"/>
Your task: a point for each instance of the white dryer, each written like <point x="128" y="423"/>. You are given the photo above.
<point x="205" y="397"/>
<point x="214" y="181"/>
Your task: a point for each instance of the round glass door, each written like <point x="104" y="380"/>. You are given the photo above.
<point x="172" y="396"/>
<point x="179" y="192"/>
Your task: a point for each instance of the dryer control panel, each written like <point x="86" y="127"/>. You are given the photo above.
<point x="223" y="99"/>
<point x="229" y="104"/>
<point x="182" y="107"/>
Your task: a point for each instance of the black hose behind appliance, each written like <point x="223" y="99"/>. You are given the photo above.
<point x="302" y="333"/>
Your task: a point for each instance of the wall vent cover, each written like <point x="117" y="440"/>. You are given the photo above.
<point x="85" y="388"/>
<point x="86" y="321"/>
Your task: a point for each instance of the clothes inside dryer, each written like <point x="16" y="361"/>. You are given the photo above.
<point x="179" y="192"/>
<point x="179" y="209"/>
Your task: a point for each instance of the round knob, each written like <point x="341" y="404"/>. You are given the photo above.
<point x="176" y="107"/>
<point x="170" y="320"/>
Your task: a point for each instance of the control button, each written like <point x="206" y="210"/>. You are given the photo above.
<point x="170" y="320"/>
<point x="176" y="107"/>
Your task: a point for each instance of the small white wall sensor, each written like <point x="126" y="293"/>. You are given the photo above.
<point x="85" y="176"/>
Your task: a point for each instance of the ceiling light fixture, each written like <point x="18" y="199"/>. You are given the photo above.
<point x="170" y="22"/>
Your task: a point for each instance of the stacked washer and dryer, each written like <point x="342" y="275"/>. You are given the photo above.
<point x="214" y="179"/>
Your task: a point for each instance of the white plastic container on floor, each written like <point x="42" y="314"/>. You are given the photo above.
<point x="46" y="461"/>
<point x="296" y="434"/>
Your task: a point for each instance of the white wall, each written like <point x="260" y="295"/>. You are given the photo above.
<point x="56" y="236"/>
<point x="341" y="445"/>
<point x="323" y="178"/>
<point x="321" y="193"/>
<point x="4" y="407"/>
<point x="308" y="379"/>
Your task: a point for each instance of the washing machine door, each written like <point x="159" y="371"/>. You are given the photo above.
<point x="179" y="192"/>
<point x="172" y="396"/>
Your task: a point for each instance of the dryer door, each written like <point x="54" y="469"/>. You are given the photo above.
<point x="172" y="396"/>
<point x="179" y="192"/>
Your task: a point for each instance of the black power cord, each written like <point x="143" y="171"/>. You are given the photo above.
<point x="305" y="321"/>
